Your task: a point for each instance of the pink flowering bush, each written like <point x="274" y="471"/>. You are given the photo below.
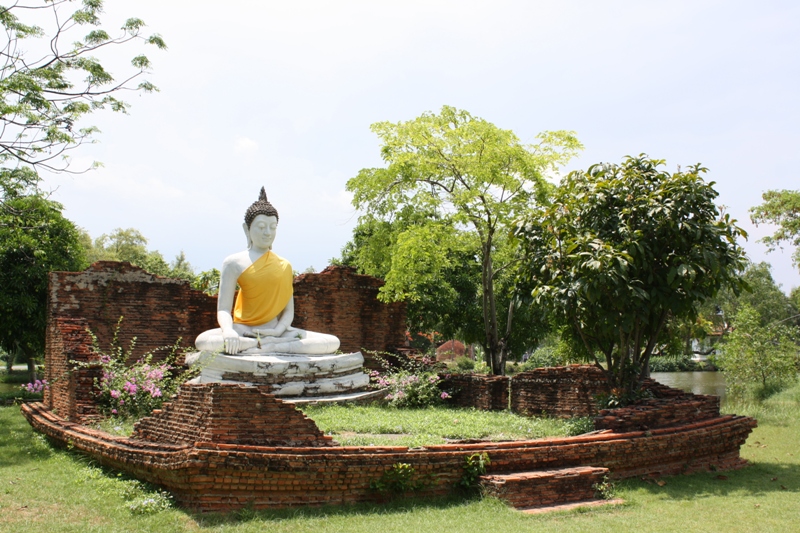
<point x="416" y="384"/>
<point x="36" y="387"/>
<point x="135" y="390"/>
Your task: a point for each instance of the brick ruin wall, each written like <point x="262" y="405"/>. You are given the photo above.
<point x="219" y="476"/>
<point x="343" y="303"/>
<point x="158" y="311"/>
<point x="570" y="391"/>
<point x="564" y="392"/>
<point x="232" y="414"/>
<point x="561" y="392"/>
<point x="487" y="393"/>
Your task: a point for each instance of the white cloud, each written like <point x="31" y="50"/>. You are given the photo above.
<point x="243" y="145"/>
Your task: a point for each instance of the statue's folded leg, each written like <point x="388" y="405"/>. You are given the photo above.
<point x="213" y="341"/>
<point x="299" y="341"/>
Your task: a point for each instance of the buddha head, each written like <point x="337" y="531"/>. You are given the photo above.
<point x="260" y="222"/>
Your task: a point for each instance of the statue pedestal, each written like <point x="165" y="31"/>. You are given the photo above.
<point x="289" y="376"/>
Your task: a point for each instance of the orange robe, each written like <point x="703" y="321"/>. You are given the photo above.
<point x="265" y="288"/>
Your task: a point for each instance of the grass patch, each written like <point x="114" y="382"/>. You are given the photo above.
<point x="45" y="489"/>
<point x="121" y="427"/>
<point x="380" y="426"/>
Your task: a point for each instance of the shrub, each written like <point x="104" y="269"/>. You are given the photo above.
<point x="414" y="384"/>
<point x="135" y="390"/>
<point x="757" y="359"/>
<point x="464" y="363"/>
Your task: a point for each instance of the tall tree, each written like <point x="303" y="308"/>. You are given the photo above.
<point x="620" y="250"/>
<point x="782" y="208"/>
<point x="34" y="239"/>
<point x="476" y="178"/>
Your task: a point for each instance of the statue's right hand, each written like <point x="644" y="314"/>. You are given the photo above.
<point x="232" y="342"/>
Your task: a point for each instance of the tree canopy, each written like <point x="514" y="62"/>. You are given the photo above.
<point x="620" y="250"/>
<point x="35" y="239"/>
<point x="130" y="245"/>
<point x="782" y="208"/>
<point x="471" y="179"/>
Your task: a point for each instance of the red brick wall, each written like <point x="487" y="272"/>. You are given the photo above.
<point x="230" y="414"/>
<point x="212" y="476"/>
<point x="658" y="412"/>
<point x="155" y="310"/>
<point x="343" y="303"/>
<point x="158" y="311"/>
<point x="71" y="385"/>
<point x="564" y="391"/>
<point x="487" y="393"/>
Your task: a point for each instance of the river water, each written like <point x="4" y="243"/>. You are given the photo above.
<point x="696" y="382"/>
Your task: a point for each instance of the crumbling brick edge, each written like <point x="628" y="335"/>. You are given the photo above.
<point x="215" y="477"/>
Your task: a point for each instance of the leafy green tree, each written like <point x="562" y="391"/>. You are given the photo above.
<point x="475" y="179"/>
<point x="782" y="208"/>
<point x="762" y="294"/>
<point x="447" y="299"/>
<point x="764" y="357"/>
<point x="207" y="281"/>
<point x="620" y="250"/>
<point x="130" y="245"/>
<point x="35" y="239"/>
<point x="46" y="89"/>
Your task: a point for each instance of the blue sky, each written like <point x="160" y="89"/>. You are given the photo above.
<point x="282" y="94"/>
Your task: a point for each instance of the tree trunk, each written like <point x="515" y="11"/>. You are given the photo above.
<point x="494" y="353"/>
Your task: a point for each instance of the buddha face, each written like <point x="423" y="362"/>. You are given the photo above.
<point x="262" y="232"/>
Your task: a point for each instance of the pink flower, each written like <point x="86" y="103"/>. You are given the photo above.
<point x="444" y="396"/>
<point x="115" y="394"/>
<point x="130" y="388"/>
<point x="113" y="411"/>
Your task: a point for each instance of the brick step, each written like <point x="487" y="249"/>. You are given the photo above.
<point x="539" y="488"/>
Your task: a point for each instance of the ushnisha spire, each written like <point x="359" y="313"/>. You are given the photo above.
<point x="260" y="207"/>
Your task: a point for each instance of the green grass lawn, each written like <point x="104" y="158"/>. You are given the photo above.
<point x="45" y="489"/>
<point x="376" y="426"/>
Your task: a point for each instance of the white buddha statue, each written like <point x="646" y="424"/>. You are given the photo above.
<point x="261" y="321"/>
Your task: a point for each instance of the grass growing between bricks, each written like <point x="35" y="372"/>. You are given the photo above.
<point x="381" y="426"/>
<point x="45" y="489"/>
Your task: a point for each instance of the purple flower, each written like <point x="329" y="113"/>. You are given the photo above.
<point x="130" y="388"/>
<point x="433" y="379"/>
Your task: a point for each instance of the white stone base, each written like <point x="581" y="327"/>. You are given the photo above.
<point x="288" y="375"/>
